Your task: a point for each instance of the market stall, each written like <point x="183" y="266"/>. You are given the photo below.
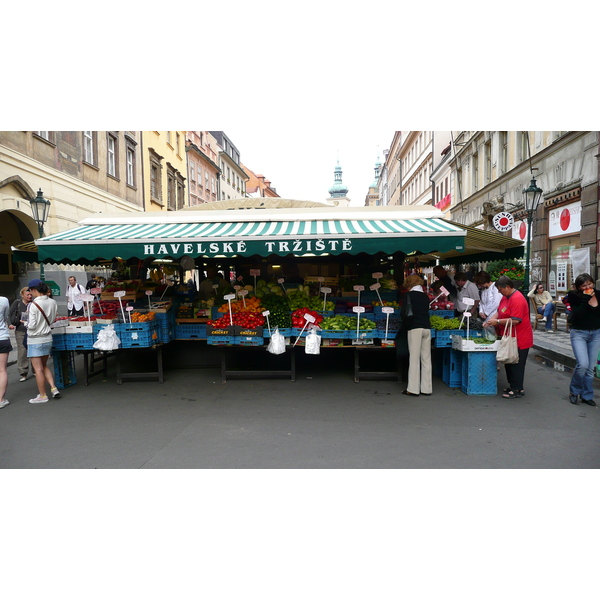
<point x="291" y="270"/>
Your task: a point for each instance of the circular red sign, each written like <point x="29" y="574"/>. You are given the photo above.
<point x="522" y="230"/>
<point x="503" y="221"/>
<point x="565" y="219"/>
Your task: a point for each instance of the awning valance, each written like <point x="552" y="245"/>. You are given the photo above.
<point x="254" y="232"/>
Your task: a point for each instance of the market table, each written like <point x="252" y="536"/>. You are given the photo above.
<point x="228" y="351"/>
<point x="89" y="361"/>
<point x="157" y="375"/>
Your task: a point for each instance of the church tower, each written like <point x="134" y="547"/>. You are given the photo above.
<point x="338" y="189"/>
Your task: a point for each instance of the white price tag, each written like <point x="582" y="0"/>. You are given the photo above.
<point x="326" y="290"/>
<point x="148" y="292"/>
<point x="444" y="290"/>
<point x="266" y="313"/>
<point x="243" y="292"/>
<point x="129" y="308"/>
<point x="467" y="314"/>
<point x="229" y="296"/>
<point x="308" y="317"/>
<point x="358" y="309"/>
<point x="280" y="280"/>
<point x="215" y="286"/>
<point x="240" y="278"/>
<point x="321" y="279"/>
<point x="255" y="272"/>
<point x="358" y="288"/>
<point x="377" y="275"/>
<point x="96" y="290"/>
<point x="468" y="301"/>
<point x="387" y="310"/>
<point x="120" y="293"/>
<point x="237" y="287"/>
<point x="87" y="297"/>
<point x="375" y="286"/>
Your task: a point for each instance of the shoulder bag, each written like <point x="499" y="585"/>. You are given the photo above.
<point x="42" y="311"/>
<point x="508" y="352"/>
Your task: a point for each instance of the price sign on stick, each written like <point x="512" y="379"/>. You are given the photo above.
<point x="255" y="273"/>
<point x="149" y="293"/>
<point x="119" y="295"/>
<point x="280" y="282"/>
<point x="243" y="294"/>
<point x="359" y="289"/>
<point x="87" y="309"/>
<point x="307" y="319"/>
<point x="325" y="290"/>
<point x="358" y="310"/>
<point x="266" y="314"/>
<point x="237" y="287"/>
<point x="387" y="310"/>
<point x="320" y="280"/>
<point x="377" y="276"/>
<point x="375" y="288"/>
<point x="169" y="284"/>
<point x="215" y="287"/>
<point x="129" y="309"/>
<point x="229" y="298"/>
<point x="444" y="290"/>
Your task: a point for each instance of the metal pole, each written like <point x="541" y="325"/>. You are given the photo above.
<point x="41" y="232"/>
<point x="527" y="250"/>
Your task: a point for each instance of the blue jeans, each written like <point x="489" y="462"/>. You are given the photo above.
<point x="547" y="312"/>
<point x="586" y="345"/>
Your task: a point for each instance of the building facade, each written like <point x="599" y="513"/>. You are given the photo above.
<point x="202" y="168"/>
<point x="491" y="169"/>
<point x="442" y="180"/>
<point x="233" y="176"/>
<point x="258" y="186"/>
<point x="165" y="170"/>
<point x="81" y="173"/>
<point x="372" y="198"/>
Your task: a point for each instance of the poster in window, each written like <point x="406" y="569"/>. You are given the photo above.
<point x="561" y="276"/>
<point x="552" y="283"/>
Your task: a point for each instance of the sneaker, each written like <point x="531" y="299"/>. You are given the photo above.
<point x="549" y="330"/>
<point x="23" y="378"/>
<point x="4" y="403"/>
<point x="588" y="402"/>
<point x="55" y="392"/>
<point x="543" y="319"/>
<point x="38" y="399"/>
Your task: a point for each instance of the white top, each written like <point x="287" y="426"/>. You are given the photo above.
<point x="38" y="330"/>
<point x="72" y="293"/>
<point x="490" y="298"/>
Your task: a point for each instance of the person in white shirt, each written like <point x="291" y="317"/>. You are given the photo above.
<point x="466" y="289"/>
<point x="490" y="296"/>
<point x="74" y="304"/>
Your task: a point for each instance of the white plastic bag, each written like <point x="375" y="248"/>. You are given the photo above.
<point x="312" y="344"/>
<point x="277" y="343"/>
<point x="107" y="339"/>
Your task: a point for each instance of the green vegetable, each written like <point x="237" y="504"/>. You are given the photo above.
<point x="441" y="323"/>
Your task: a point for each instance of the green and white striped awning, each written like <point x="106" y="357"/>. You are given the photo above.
<point x="238" y="233"/>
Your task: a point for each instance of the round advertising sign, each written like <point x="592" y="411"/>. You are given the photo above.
<point x="503" y="221"/>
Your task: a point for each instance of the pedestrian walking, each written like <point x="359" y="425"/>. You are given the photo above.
<point x="543" y="304"/>
<point x="17" y="308"/>
<point x="514" y="307"/>
<point x="74" y="303"/>
<point x="419" y="337"/>
<point x="5" y="348"/>
<point x="41" y="314"/>
<point x="585" y="337"/>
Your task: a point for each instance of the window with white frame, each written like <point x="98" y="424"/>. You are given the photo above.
<point x="192" y="175"/>
<point x="206" y="179"/>
<point x="111" y="154"/>
<point x="213" y="185"/>
<point x="504" y="151"/>
<point x="130" y="167"/>
<point x="89" y="147"/>
<point x="199" y="175"/>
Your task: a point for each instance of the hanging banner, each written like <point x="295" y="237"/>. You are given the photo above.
<point x="519" y="231"/>
<point x="564" y="220"/>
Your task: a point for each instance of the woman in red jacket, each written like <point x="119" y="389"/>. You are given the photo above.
<point x="514" y="307"/>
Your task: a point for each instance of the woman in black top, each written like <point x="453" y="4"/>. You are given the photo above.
<point x="419" y="337"/>
<point x="585" y="337"/>
<point x="18" y="307"/>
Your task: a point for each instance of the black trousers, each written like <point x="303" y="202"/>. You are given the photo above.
<point x="515" y="374"/>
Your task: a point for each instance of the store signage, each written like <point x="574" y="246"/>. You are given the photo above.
<point x="564" y="220"/>
<point x="241" y="247"/>
<point x="503" y="221"/>
<point x="519" y="230"/>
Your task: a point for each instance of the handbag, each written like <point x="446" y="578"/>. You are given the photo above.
<point x="508" y="351"/>
<point x="407" y="306"/>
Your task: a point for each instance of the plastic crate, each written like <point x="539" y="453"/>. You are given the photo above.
<point x="437" y="360"/>
<point x="443" y="337"/>
<point x="59" y="341"/>
<point x="80" y="341"/>
<point x="190" y="331"/>
<point x="363" y="334"/>
<point x="243" y="340"/>
<point x="452" y="368"/>
<point x="378" y="310"/>
<point x="166" y="334"/>
<point x="220" y="340"/>
<point x="284" y="331"/>
<point x="64" y="369"/>
<point x="445" y="314"/>
<point x="479" y="373"/>
<point x="138" y="335"/>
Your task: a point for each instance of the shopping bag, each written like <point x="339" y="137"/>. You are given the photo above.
<point x="107" y="339"/>
<point x="312" y="344"/>
<point x="508" y="351"/>
<point x="277" y="343"/>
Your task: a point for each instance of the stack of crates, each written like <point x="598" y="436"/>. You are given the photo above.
<point x="166" y="325"/>
<point x="452" y="367"/>
<point x="189" y="331"/>
<point x="479" y="373"/>
<point x="80" y="341"/>
<point x="64" y="369"/>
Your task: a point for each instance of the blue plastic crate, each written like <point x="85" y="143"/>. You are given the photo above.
<point x="220" y="340"/>
<point x="452" y="368"/>
<point x="138" y="335"/>
<point x="80" y="341"/>
<point x="59" y="341"/>
<point x="363" y="334"/>
<point x="64" y="369"/>
<point x="445" y="314"/>
<point x="443" y="337"/>
<point x="479" y="373"/>
<point x="335" y="334"/>
<point x="437" y="360"/>
<point x="432" y="333"/>
<point x="190" y="331"/>
<point x="284" y="331"/>
<point x="166" y="334"/>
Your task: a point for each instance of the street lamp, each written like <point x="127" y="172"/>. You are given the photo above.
<point x="40" y="208"/>
<point x="531" y="198"/>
